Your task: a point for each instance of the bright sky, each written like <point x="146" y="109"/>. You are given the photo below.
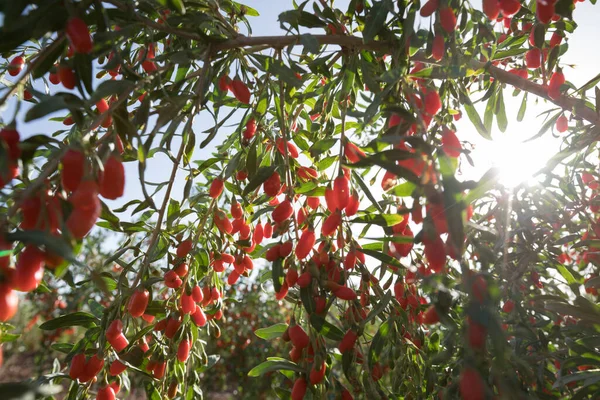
<point x="518" y="160"/>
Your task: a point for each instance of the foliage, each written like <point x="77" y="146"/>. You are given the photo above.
<point x="341" y="171"/>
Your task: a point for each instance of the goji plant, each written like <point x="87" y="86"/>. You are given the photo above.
<point x="330" y="169"/>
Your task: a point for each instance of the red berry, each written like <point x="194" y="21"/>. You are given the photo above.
<point x="9" y="302"/>
<point x="476" y="334"/>
<point x="199" y="317"/>
<point x="236" y="210"/>
<point x="16" y="65"/>
<point x="292" y="151"/>
<point x="272" y="185"/>
<point x="305" y="244"/>
<point x="562" y="124"/>
<point x="117" y="368"/>
<point x="73" y="168"/>
<point x="106" y="393"/>
<point x="341" y="188"/>
<point x="331" y="199"/>
<point x="250" y="129"/>
<point x="431" y="316"/>
<point x="556" y="81"/>
<point x="138" y="302"/>
<point x="508" y="306"/>
<point x="216" y="188"/>
<point x="317" y="373"/>
<point x="433" y="103"/>
<point x="556" y="39"/>
<point x="29" y="269"/>
<point x="299" y="389"/>
<point x="54" y="78"/>
<point x="77" y="367"/>
<point x="345" y="293"/>
<point x="438" y="47"/>
<point x="224" y="83"/>
<point x="188" y="305"/>
<point x="119" y="342"/>
<point x="112" y="182"/>
<point x="86" y="209"/>
<point x="353" y="204"/>
<point x="102" y="107"/>
<point x="479" y="288"/>
<point x="471" y="385"/>
<point x="172" y="327"/>
<point x="283" y="211"/>
<point x="222" y="222"/>
<point x="448" y="19"/>
<point x="331" y="224"/>
<point x="183" y="351"/>
<point x="450" y="143"/>
<point x="159" y="370"/>
<point x="353" y="153"/>
<point x="79" y="35"/>
<point x="172" y="280"/>
<point x="533" y="58"/>
<point x="92" y="368"/>
<point x="510" y="7"/>
<point x="429" y="8"/>
<point x="304" y="279"/>
<point x="240" y="91"/>
<point x="544" y="10"/>
<point x="298" y="336"/>
<point x="66" y="76"/>
<point x="435" y="253"/>
<point x="491" y="8"/>
<point x="184" y="248"/>
<point x="348" y="341"/>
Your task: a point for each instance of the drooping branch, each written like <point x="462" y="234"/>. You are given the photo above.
<point x="33" y="65"/>
<point x="346" y="41"/>
<point x="565" y="102"/>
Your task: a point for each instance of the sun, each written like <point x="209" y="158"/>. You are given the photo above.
<point x="517" y="159"/>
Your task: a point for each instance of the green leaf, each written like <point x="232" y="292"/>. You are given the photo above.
<point x="47" y="63"/>
<point x="375" y="20"/>
<point x="547" y="125"/>
<point x="42" y="238"/>
<point x="501" y="112"/>
<point x="476" y="120"/>
<point x="522" y="109"/>
<point x="366" y="190"/>
<point x="274" y="364"/>
<point x="488" y="116"/>
<point x="379" y="219"/>
<point x="379" y="341"/>
<point x="272" y="331"/>
<point x="379" y="307"/>
<point x="84" y="70"/>
<point x="46" y="106"/>
<point x="79" y="318"/>
<point x="300" y="18"/>
<point x="325" y="328"/>
<point x="261" y="176"/>
<point x="277" y="273"/>
<point x="566" y="274"/>
<point x="384" y="258"/>
<point x="564" y="8"/>
<point x="109" y="88"/>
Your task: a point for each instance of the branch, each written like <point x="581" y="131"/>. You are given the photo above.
<point x="30" y="67"/>
<point x="565" y="102"/>
<point x="199" y="91"/>
<point x="568" y="103"/>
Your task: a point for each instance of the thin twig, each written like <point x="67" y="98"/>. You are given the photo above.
<point x="199" y="91"/>
<point x="31" y="66"/>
